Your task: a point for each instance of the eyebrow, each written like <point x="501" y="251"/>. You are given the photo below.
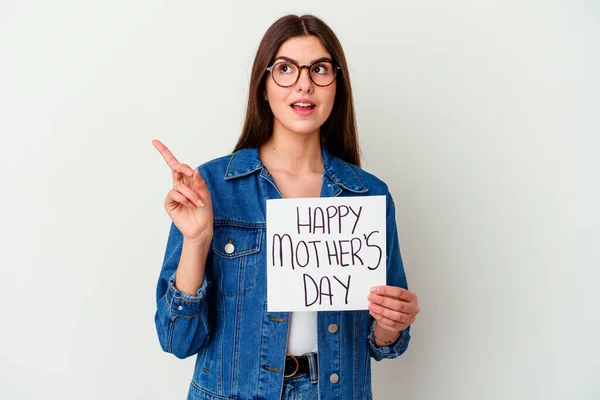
<point x="296" y="62"/>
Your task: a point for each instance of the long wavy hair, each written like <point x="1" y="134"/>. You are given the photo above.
<point x="338" y="132"/>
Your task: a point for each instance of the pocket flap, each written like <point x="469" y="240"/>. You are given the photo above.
<point x="236" y="241"/>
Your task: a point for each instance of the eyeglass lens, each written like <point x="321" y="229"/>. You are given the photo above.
<point x="286" y="73"/>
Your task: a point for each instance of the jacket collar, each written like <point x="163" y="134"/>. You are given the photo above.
<point x="247" y="161"/>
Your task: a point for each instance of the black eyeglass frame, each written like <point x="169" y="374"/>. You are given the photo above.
<point x="300" y="68"/>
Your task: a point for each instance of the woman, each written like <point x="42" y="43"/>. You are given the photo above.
<point x="299" y="140"/>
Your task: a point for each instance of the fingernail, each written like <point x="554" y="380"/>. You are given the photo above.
<point x="374" y="290"/>
<point x="201" y="204"/>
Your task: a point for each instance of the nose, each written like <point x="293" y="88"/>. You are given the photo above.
<point x="304" y="82"/>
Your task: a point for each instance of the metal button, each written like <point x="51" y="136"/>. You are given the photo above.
<point x="229" y="246"/>
<point x="180" y="308"/>
<point x="334" y="378"/>
<point x="332" y="328"/>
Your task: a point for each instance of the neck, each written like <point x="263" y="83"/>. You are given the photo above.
<point x="292" y="152"/>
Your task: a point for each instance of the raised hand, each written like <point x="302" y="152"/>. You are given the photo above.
<point x="188" y="203"/>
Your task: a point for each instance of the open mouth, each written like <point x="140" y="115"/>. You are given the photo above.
<point x="303" y="106"/>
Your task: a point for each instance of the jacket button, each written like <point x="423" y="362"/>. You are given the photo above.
<point x="334" y="378"/>
<point x="332" y="328"/>
<point x="229" y="248"/>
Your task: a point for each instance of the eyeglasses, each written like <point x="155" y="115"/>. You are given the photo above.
<point x="287" y="73"/>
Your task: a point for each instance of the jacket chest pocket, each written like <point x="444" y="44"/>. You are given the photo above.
<point x="236" y="252"/>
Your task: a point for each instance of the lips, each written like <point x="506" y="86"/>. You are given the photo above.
<point x="303" y="106"/>
<point x="303" y="111"/>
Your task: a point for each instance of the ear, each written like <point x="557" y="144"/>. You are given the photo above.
<point x="265" y="97"/>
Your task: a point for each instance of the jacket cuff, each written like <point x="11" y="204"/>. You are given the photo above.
<point x="391" y="351"/>
<point x="183" y="304"/>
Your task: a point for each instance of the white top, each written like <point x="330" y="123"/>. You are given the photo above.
<point x="302" y="336"/>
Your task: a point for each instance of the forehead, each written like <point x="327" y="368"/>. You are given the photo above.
<point x="303" y="49"/>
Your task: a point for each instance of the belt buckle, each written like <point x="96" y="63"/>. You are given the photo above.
<point x="297" y="367"/>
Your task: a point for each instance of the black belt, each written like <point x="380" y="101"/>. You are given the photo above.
<point x="296" y="365"/>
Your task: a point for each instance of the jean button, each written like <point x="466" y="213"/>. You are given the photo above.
<point x="229" y="248"/>
<point x="334" y="378"/>
<point x="332" y="328"/>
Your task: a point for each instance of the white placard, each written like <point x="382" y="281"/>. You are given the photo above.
<point x="324" y="254"/>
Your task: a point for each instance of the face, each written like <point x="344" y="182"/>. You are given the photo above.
<point x="289" y="116"/>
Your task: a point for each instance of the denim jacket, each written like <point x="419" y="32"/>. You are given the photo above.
<point x="240" y="348"/>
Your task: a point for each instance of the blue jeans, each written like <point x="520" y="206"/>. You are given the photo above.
<point x="303" y="386"/>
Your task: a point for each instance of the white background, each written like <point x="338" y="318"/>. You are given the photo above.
<point x="482" y="116"/>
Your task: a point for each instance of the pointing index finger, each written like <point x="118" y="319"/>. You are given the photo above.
<point x="166" y="153"/>
<point x="169" y="158"/>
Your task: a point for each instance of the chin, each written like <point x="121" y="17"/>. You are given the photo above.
<point x="304" y="128"/>
<point x="300" y="127"/>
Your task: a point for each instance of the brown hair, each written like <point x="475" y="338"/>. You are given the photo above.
<point x="338" y="133"/>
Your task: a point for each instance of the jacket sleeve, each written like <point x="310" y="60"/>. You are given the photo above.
<point x="181" y="319"/>
<point x="395" y="277"/>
